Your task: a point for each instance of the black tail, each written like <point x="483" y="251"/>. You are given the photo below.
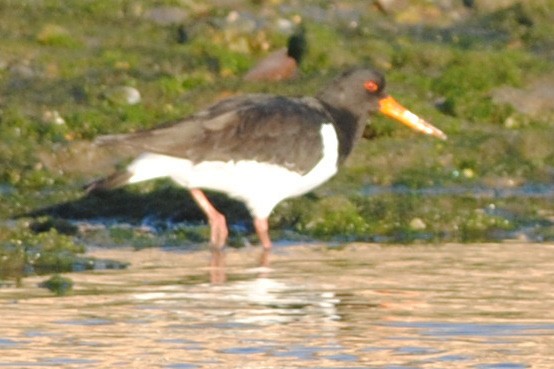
<point x="115" y="180"/>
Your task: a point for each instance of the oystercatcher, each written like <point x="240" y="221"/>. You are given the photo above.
<point x="281" y="64"/>
<point x="259" y="148"/>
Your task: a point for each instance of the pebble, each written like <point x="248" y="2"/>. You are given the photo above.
<point x="242" y="22"/>
<point x="123" y="95"/>
<point x="53" y="117"/>
<point x="468" y="173"/>
<point x="417" y="224"/>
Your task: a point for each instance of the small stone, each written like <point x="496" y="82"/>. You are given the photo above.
<point x="233" y="16"/>
<point x="123" y="95"/>
<point x="241" y="23"/>
<point x="468" y="173"/>
<point x="53" y="117"/>
<point x="417" y="224"/>
<point x="511" y="122"/>
<point x="286" y="26"/>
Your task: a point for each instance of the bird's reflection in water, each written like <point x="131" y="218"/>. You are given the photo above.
<point x="264" y="259"/>
<point x="217" y="266"/>
<point x="218" y="274"/>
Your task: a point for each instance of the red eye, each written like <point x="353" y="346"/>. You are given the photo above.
<point x="371" y="86"/>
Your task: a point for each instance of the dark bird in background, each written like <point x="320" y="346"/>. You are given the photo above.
<point x="469" y="3"/>
<point x="281" y="64"/>
<point x="260" y="149"/>
<point x="182" y="36"/>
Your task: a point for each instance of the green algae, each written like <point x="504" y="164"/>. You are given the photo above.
<point x="59" y="63"/>
<point x="44" y="246"/>
<point x="58" y="284"/>
<point x="410" y="217"/>
<point x="25" y="252"/>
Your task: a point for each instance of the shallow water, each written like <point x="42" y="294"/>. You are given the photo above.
<point x="360" y="306"/>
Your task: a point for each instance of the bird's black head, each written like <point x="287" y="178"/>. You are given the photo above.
<point x="356" y="90"/>
<point x="362" y="91"/>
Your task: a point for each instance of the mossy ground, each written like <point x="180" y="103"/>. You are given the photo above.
<point x="60" y="62"/>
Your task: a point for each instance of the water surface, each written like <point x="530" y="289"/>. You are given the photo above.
<point x="360" y="306"/>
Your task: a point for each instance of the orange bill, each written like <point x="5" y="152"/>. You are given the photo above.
<point x="392" y="108"/>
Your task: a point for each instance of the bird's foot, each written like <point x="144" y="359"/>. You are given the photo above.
<point x="262" y="229"/>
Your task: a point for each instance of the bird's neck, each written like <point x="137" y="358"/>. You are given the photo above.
<point x="349" y="127"/>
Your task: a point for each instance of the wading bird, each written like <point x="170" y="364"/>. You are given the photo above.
<point x="259" y="148"/>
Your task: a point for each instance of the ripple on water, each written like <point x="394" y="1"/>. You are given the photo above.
<point x="442" y="329"/>
<point x="502" y="366"/>
<point x="4" y="343"/>
<point x="419" y="307"/>
<point x="181" y="366"/>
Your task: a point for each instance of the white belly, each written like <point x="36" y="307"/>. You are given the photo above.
<point x="261" y="186"/>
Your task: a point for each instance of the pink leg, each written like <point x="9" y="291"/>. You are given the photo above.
<point x="262" y="229"/>
<point x="218" y="225"/>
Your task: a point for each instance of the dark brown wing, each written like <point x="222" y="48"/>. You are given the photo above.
<point x="265" y="128"/>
